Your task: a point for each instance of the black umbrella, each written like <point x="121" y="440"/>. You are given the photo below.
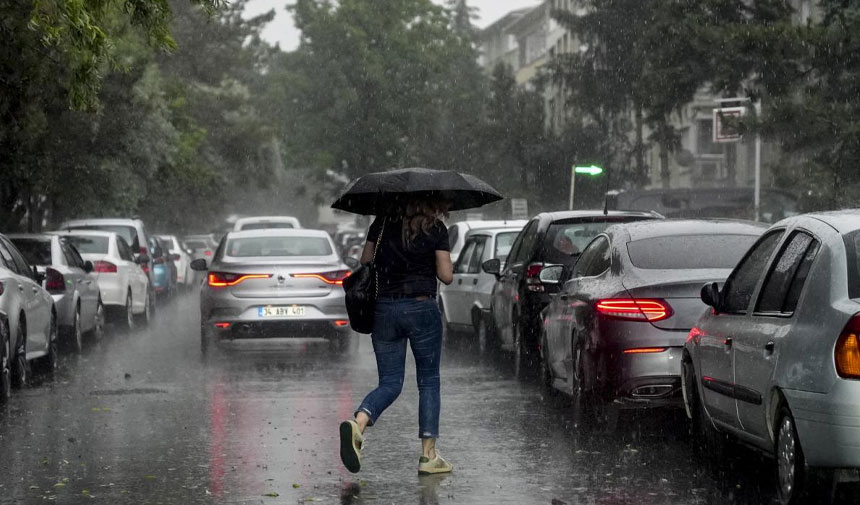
<point x="371" y="194"/>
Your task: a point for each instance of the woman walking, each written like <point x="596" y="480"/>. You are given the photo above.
<point x="413" y="252"/>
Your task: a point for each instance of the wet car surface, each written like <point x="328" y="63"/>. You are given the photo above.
<point x="145" y="418"/>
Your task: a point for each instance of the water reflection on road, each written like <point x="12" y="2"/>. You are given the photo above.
<point x="145" y="418"/>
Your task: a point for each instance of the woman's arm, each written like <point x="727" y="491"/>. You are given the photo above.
<point x="444" y="267"/>
<point x="367" y="253"/>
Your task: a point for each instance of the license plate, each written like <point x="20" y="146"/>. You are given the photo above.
<point x="290" y="311"/>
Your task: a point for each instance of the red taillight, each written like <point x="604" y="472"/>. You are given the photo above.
<point x="208" y="253"/>
<point x="635" y="309"/>
<point x="145" y="266"/>
<point x="340" y="323"/>
<point x="694" y="335"/>
<point x="534" y="270"/>
<point x="533" y="282"/>
<point x="221" y="279"/>
<point x="335" y="277"/>
<point x="54" y="281"/>
<point x="847" y="352"/>
<point x="222" y="326"/>
<point x="104" y="267"/>
<point x="645" y="350"/>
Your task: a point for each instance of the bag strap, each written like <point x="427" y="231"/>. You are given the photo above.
<point x="373" y="260"/>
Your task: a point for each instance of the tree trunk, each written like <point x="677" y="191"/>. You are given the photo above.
<point x="665" y="175"/>
<point x="641" y="169"/>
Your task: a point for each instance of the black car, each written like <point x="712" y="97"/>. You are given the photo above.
<point x="614" y="334"/>
<point x="519" y="296"/>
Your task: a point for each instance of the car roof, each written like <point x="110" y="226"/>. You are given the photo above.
<point x="251" y="219"/>
<point x="31" y="236"/>
<point x="108" y="221"/>
<point x="279" y="232"/>
<point x="493" y="231"/>
<point x="572" y="214"/>
<point x="477" y="224"/>
<point x="844" y="221"/>
<point x="90" y="233"/>
<point x="639" y="230"/>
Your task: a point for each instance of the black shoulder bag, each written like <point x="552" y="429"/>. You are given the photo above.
<point x="362" y="288"/>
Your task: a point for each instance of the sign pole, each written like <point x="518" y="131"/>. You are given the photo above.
<point x="758" y="166"/>
<point x="572" y="186"/>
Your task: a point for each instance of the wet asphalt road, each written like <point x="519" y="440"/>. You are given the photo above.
<point x="143" y="418"/>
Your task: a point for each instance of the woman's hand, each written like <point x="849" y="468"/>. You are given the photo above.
<point x="444" y="267"/>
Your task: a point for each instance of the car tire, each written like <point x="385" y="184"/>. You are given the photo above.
<point x="796" y="483"/>
<point x="98" y="331"/>
<point x="481" y="335"/>
<point x="710" y="444"/>
<point x="5" y="364"/>
<point x="20" y="365"/>
<point x="591" y="412"/>
<point x="546" y="376"/>
<point x="148" y="314"/>
<point x="75" y="339"/>
<point x="129" y="322"/>
<point x="49" y="364"/>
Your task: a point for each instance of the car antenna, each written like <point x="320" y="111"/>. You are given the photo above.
<point x="606" y="195"/>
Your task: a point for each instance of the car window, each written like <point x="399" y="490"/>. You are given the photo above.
<point x="6" y="258"/>
<point x="527" y="245"/>
<point x="852" y="250"/>
<point x="787" y="274"/>
<point x="20" y="263"/>
<point x="738" y="289"/>
<point x="278" y="247"/>
<point x="36" y="251"/>
<point x="509" y="261"/>
<point x="453" y="236"/>
<point x="477" y="255"/>
<point x="595" y="253"/>
<point x="465" y="257"/>
<point x="129" y="233"/>
<point x="76" y="257"/>
<point x="504" y="241"/>
<point x="123" y="249"/>
<point x="684" y="252"/>
<point x="89" y="244"/>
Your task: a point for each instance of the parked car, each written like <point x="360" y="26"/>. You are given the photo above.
<point x="465" y="303"/>
<point x="519" y="296"/>
<point x="613" y="336"/>
<point x="170" y="260"/>
<point x="200" y="247"/>
<point x="69" y="279"/>
<point x="457" y="232"/>
<point x="123" y="284"/>
<point x="181" y="259"/>
<point x="776" y="362"/>
<point x="29" y="320"/>
<point x="162" y="274"/>
<point x="274" y="283"/>
<point x="266" y="223"/>
<point x="132" y="231"/>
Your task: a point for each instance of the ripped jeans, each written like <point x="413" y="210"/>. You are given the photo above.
<point x="396" y="321"/>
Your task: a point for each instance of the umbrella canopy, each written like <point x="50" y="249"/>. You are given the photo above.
<point x="371" y="194"/>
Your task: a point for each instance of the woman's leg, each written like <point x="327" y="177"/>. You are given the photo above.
<point x="426" y="342"/>
<point x="390" y="350"/>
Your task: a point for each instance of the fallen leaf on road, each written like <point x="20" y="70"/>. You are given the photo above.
<point x="296" y="486"/>
<point x="272" y="495"/>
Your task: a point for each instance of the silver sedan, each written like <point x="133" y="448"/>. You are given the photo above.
<point x="776" y="362"/>
<point x="278" y="283"/>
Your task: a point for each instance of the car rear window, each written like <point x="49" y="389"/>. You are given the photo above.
<point x="564" y="239"/>
<point x="126" y="232"/>
<point x="89" y="245"/>
<point x="36" y="251"/>
<point x="504" y="242"/>
<point x="685" y="252"/>
<point x="852" y="248"/>
<point x="194" y="244"/>
<point x="266" y="226"/>
<point x="278" y="247"/>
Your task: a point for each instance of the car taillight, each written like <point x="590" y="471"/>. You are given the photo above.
<point x="335" y="277"/>
<point x="207" y="253"/>
<point x="222" y="279"/>
<point x="54" y="281"/>
<point x="847" y="353"/>
<point x="104" y="267"/>
<point x="533" y="282"/>
<point x="635" y="309"/>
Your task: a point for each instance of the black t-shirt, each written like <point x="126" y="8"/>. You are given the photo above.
<point x="410" y="270"/>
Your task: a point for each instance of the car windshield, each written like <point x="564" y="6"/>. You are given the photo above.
<point x="266" y="226"/>
<point x="686" y="252"/>
<point x="36" y="251"/>
<point x="129" y="233"/>
<point x="504" y="241"/>
<point x="88" y="244"/>
<point x="278" y="247"/>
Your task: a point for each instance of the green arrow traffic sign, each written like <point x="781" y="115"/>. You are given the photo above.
<point x="588" y="170"/>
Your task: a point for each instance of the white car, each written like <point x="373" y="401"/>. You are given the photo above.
<point x="457" y="232"/>
<point x="184" y="274"/>
<point x="69" y="279"/>
<point x="266" y="223"/>
<point x="465" y="303"/>
<point x="122" y="282"/>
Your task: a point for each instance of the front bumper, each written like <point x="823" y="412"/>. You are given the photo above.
<point x="828" y="425"/>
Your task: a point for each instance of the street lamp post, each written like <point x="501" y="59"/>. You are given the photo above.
<point x="592" y="170"/>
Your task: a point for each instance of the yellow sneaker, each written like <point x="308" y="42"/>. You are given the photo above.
<point x="351" y="443"/>
<point x="427" y="466"/>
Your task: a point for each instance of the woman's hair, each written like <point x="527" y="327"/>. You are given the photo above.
<point x="419" y="216"/>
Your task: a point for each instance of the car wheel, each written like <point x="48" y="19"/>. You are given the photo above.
<point x="148" y="311"/>
<point x="710" y="443"/>
<point x="546" y="371"/>
<point x="76" y="339"/>
<point x="481" y="335"/>
<point x="48" y="364"/>
<point x="98" y="331"/>
<point x="590" y="410"/>
<point x="129" y="312"/>
<point x="21" y="367"/>
<point x="795" y="482"/>
<point x="516" y="342"/>
<point x="5" y="364"/>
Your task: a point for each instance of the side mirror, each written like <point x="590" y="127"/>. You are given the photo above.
<point x="174" y="257"/>
<point x="142" y="260"/>
<point x="88" y="266"/>
<point x="199" y="265"/>
<point x="493" y="267"/>
<point x="711" y="296"/>
<point x="351" y="262"/>
<point x="551" y="275"/>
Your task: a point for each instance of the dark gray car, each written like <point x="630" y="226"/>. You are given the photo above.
<point x="613" y="336"/>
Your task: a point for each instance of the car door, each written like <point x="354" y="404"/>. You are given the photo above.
<point x="455" y="295"/>
<point x="88" y="288"/>
<point x="716" y="337"/>
<point x="512" y="279"/>
<point x="471" y="277"/>
<point x="483" y="289"/>
<point x="138" y="280"/>
<point x="757" y="344"/>
<point x="38" y="302"/>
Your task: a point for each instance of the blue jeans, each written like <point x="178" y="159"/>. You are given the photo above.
<point x="396" y="321"/>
